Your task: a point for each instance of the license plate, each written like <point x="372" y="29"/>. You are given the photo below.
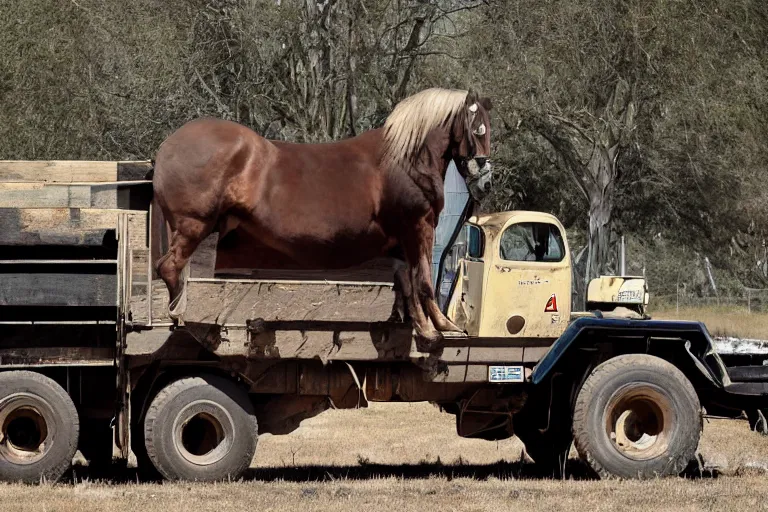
<point x="506" y="374"/>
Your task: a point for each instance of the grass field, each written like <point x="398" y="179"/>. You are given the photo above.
<point x="721" y="321"/>
<point x="407" y="457"/>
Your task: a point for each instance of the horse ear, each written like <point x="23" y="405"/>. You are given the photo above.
<point x="471" y="97"/>
<point x="485" y="103"/>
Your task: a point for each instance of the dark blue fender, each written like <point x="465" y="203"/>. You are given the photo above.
<point x="692" y="335"/>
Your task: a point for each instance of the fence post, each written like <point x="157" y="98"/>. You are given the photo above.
<point x="749" y="301"/>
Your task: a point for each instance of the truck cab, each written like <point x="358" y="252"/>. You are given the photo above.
<point x="509" y="275"/>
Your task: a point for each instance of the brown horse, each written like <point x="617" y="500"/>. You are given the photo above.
<point x="327" y="205"/>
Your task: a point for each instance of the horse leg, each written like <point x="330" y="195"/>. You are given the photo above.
<point x="403" y="293"/>
<point x="424" y="282"/>
<point x="421" y="323"/>
<point x="440" y="321"/>
<point x="184" y="240"/>
<point x="414" y="245"/>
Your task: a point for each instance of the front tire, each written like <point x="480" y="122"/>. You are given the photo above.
<point x="637" y="416"/>
<point x="39" y="428"/>
<point x="201" y="428"/>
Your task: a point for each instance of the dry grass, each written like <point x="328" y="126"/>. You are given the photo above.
<point x="721" y="321"/>
<point x="385" y="458"/>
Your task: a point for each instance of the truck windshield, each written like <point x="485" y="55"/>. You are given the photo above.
<point x="532" y="241"/>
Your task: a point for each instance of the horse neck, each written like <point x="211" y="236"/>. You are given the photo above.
<point x="436" y="153"/>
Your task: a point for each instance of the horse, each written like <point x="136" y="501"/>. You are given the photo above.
<point x="328" y="205"/>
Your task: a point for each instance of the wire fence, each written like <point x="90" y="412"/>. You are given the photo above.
<point x="751" y="300"/>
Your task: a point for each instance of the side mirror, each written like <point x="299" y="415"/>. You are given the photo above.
<point x="474" y="242"/>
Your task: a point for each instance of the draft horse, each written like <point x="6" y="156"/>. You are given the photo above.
<point x="329" y="205"/>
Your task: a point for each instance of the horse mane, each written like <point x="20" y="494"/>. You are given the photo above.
<point x="407" y="127"/>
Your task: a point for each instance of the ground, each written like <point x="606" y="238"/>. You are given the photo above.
<point x="407" y="457"/>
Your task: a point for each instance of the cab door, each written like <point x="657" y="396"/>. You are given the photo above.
<point x="528" y="287"/>
<point x="465" y="302"/>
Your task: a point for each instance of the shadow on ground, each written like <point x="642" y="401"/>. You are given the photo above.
<point x="574" y="470"/>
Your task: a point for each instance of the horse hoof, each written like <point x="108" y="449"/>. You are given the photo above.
<point x="429" y="340"/>
<point x="453" y="328"/>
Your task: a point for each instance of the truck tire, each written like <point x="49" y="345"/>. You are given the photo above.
<point x="637" y="416"/>
<point x="201" y="428"/>
<point x="39" y="428"/>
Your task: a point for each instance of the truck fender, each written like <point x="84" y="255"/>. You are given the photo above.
<point x="692" y="337"/>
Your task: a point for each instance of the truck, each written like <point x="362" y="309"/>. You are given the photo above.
<point x="91" y="361"/>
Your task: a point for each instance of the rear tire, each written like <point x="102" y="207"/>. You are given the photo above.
<point x="637" y="416"/>
<point x="39" y="428"/>
<point x="201" y="428"/>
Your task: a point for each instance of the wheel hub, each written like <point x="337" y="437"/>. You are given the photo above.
<point x="203" y="433"/>
<point x="639" y="422"/>
<point x="25" y="433"/>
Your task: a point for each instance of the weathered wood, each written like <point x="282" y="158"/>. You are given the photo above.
<point x="57" y="171"/>
<point x="47" y="195"/>
<point x="53" y="288"/>
<point x="383" y="344"/>
<point x="41" y="195"/>
<point x="72" y="171"/>
<point x="57" y="356"/>
<point x="234" y="302"/>
<point x="203" y="262"/>
<point x="66" y="226"/>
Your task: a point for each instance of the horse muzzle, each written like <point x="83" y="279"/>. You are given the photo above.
<point x="480" y="177"/>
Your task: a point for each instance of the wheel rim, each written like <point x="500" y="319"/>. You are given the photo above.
<point x="26" y="429"/>
<point x="203" y="432"/>
<point x="639" y="421"/>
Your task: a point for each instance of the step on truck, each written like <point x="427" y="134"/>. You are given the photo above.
<point x="91" y="361"/>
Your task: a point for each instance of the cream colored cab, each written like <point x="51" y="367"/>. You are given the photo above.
<point x="515" y="277"/>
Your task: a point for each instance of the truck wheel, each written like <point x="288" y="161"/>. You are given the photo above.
<point x="39" y="428"/>
<point x="201" y="428"/>
<point x="637" y="416"/>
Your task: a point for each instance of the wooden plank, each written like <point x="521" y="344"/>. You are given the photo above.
<point x="57" y="356"/>
<point x="66" y="226"/>
<point x="331" y="345"/>
<point x="40" y="195"/>
<point x="104" y="196"/>
<point x="203" y="262"/>
<point x="53" y="288"/>
<point x="54" y="195"/>
<point x="57" y="171"/>
<point x="234" y="302"/>
<point x="139" y="266"/>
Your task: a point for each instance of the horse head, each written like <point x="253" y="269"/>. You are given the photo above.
<point x="471" y="136"/>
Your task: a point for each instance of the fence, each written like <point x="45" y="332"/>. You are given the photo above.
<point x="751" y="300"/>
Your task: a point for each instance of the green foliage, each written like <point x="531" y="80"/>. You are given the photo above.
<point x="675" y="90"/>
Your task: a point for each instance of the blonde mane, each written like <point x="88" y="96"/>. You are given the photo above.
<point x="410" y="122"/>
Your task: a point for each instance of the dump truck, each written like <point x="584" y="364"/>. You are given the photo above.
<point x="91" y="361"/>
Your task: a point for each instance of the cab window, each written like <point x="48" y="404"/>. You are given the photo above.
<point x="532" y="241"/>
